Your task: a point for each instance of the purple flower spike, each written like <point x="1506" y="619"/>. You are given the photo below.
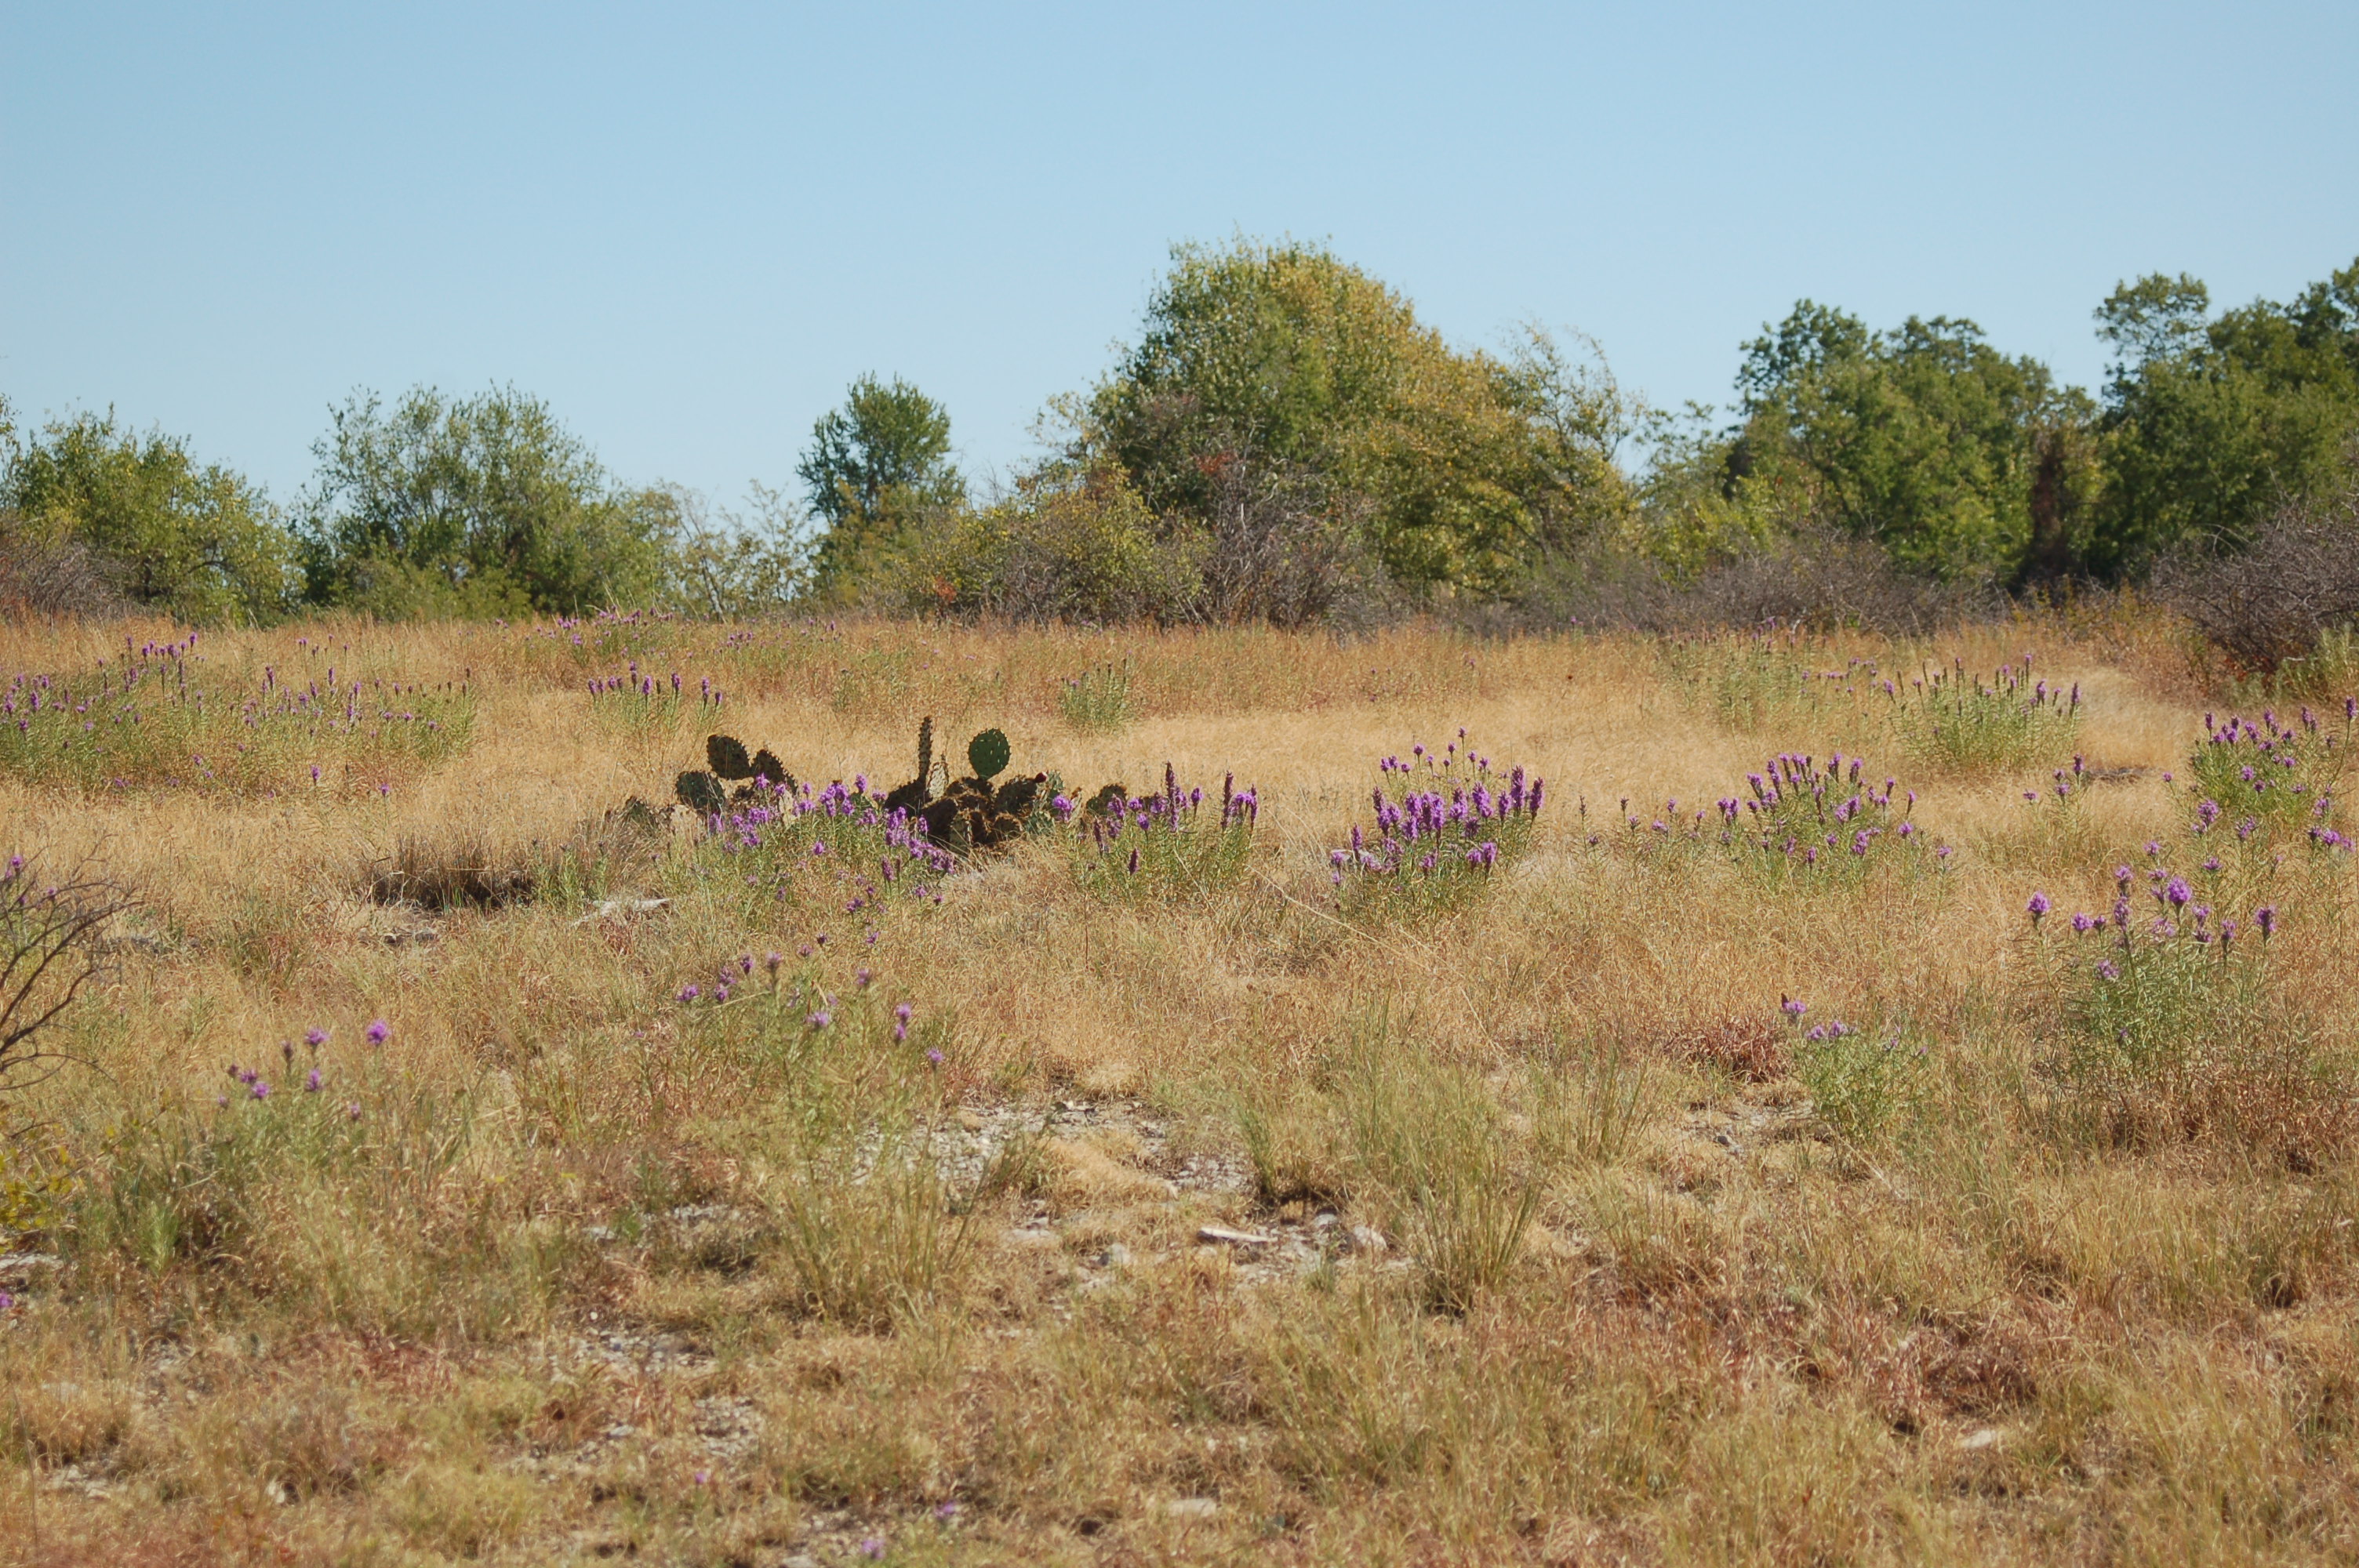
<point x="821" y="1019"/>
<point x="312" y="1082"/>
<point x="378" y="1032"/>
<point x="1792" y="1008"/>
<point x="2266" y="917"/>
<point x="315" y="1037"/>
<point x="2038" y="906"/>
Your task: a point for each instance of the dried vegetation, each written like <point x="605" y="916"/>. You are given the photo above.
<point x="1139" y="1186"/>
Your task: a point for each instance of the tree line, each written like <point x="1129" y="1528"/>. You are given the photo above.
<point x="1283" y="440"/>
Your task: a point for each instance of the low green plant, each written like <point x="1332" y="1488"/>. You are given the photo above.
<point x="1167" y="846"/>
<point x="1863" y="1080"/>
<point x="1754" y="681"/>
<point x="848" y="1166"/>
<point x="1098" y="700"/>
<point x="1429" y="851"/>
<point x="157" y="719"/>
<point x="2169" y="1023"/>
<point x="2272" y="775"/>
<point x="1799" y="820"/>
<point x="637" y="703"/>
<point x="1960" y="723"/>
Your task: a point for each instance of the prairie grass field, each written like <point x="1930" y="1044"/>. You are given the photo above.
<point x="1560" y="1099"/>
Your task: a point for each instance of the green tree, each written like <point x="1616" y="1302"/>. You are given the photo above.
<point x="1460" y="468"/>
<point x="476" y="506"/>
<point x="732" y="566"/>
<point x="2210" y="424"/>
<point x="196" y="541"/>
<point x="874" y="465"/>
<point x="1961" y="461"/>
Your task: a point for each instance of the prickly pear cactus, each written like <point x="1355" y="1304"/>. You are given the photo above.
<point x="702" y="793"/>
<point x="987" y="753"/>
<point x="725" y="755"/>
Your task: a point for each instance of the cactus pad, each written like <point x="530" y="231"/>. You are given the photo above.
<point x="725" y="754"/>
<point x="987" y="753"/>
<point x="702" y="793"/>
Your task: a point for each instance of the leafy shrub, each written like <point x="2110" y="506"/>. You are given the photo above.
<point x="1954" y="720"/>
<point x="1814" y="582"/>
<point x="1062" y="547"/>
<point x="473" y="506"/>
<point x="100" y="512"/>
<point x="155" y="721"/>
<point x="44" y="575"/>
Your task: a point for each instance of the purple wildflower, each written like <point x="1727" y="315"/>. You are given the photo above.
<point x="821" y="1019"/>
<point x="1792" y="1007"/>
<point x="2266" y="917"/>
<point x="312" y="1082"/>
<point x="315" y="1037"/>
<point x="378" y="1031"/>
<point x="2038" y="906"/>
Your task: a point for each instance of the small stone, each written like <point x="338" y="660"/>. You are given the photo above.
<point x="1367" y="1238"/>
<point x="1116" y="1256"/>
<point x="1988" y="1437"/>
<point x="1191" y="1508"/>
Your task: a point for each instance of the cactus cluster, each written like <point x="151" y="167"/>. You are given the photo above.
<point x="706" y="791"/>
<point x="971" y="813"/>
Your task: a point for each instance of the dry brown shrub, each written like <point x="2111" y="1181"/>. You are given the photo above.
<point x="2274" y="601"/>
<point x="49" y="577"/>
<point x="436" y="871"/>
<point x="1747" y="1049"/>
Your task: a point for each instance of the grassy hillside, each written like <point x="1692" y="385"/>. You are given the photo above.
<point x="1712" y="1169"/>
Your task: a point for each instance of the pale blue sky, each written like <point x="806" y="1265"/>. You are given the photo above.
<point x="689" y="227"/>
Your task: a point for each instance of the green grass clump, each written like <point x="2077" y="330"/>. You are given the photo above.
<point x="1766" y="680"/>
<point x="158" y="718"/>
<point x="1960" y="723"/>
<point x="1098" y="700"/>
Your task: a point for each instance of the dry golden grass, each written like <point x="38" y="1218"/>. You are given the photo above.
<point x="1561" y="1244"/>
